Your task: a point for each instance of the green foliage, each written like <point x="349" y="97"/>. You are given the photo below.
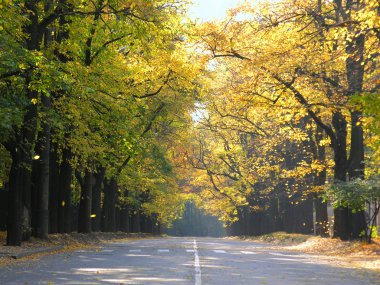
<point x="12" y="109"/>
<point x="372" y="230"/>
<point x="369" y="104"/>
<point x="357" y="195"/>
<point x="117" y="74"/>
<point x="353" y="194"/>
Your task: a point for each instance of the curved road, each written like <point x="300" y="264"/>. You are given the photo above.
<point x="194" y="261"/>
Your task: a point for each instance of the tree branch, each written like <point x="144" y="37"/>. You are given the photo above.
<point x="15" y="72"/>
<point x="147" y="129"/>
<point x="329" y="131"/>
<point x="158" y="90"/>
<point x="107" y="43"/>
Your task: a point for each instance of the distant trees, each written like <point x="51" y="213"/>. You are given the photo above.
<point x="195" y="222"/>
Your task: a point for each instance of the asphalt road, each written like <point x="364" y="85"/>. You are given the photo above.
<point x="193" y="261"/>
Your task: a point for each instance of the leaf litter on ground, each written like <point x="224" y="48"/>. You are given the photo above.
<point x="65" y="243"/>
<point x="349" y="254"/>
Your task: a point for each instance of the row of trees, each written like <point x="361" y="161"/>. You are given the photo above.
<point x="281" y="116"/>
<point x="96" y="115"/>
<point x="91" y="93"/>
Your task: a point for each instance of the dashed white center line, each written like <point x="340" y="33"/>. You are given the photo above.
<point x="162" y="250"/>
<point x="197" y="266"/>
<point x="248" y="252"/>
<point x="107" y="250"/>
<point x="277" y="254"/>
<point x="190" y="250"/>
<point x="219" y="251"/>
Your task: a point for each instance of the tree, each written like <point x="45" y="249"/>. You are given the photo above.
<point x="278" y="68"/>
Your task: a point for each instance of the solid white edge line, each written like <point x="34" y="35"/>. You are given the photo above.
<point x="197" y="266"/>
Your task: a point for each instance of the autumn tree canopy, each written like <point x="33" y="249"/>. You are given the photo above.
<point x="121" y="111"/>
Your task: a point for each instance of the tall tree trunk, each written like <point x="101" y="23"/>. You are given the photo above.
<point x="136" y="226"/>
<point x="96" y="200"/>
<point x="44" y="151"/>
<point x="65" y="173"/>
<point x="143" y="223"/>
<point x="355" y="74"/>
<point x="124" y="219"/>
<point x="15" y="208"/>
<point x="84" y="214"/>
<point x="357" y="222"/>
<point x="340" y="173"/>
<point x="109" y="205"/>
<point x="26" y="201"/>
<point x="53" y="192"/>
<point x="320" y="207"/>
<point x="64" y="205"/>
<point x="156" y="224"/>
<point x="42" y="186"/>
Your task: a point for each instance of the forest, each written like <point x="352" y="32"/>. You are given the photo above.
<point x="116" y="115"/>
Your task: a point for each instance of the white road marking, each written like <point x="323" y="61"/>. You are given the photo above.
<point x="162" y="250"/>
<point x="190" y="250"/>
<point x="281" y="254"/>
<point x="135" y="250"/>
<point x="219" y="251"/>
<point x="107" y="250"/>
<point x="248" y="252"/>
<point x="197" y="266"/>
<point x="275" y="253"/>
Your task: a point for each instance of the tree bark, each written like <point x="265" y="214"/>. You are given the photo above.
<point x="84" y="214"/>
<point x="340" y="174"/>
<point x="124" y="219"/>
<point x="64" y="205"/>
<point x="96" y="200"/>
<point x="14" y="220"/>
<point x="320" y="207"/>
<point x="355" y="74"/>
<point x="109" y="204"/>
<point x="53" y="192"/>
<point x="43" y="150"/>
<point x="136" y="227"/>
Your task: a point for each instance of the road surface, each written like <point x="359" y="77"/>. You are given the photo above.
<point x="194" y="261"/>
